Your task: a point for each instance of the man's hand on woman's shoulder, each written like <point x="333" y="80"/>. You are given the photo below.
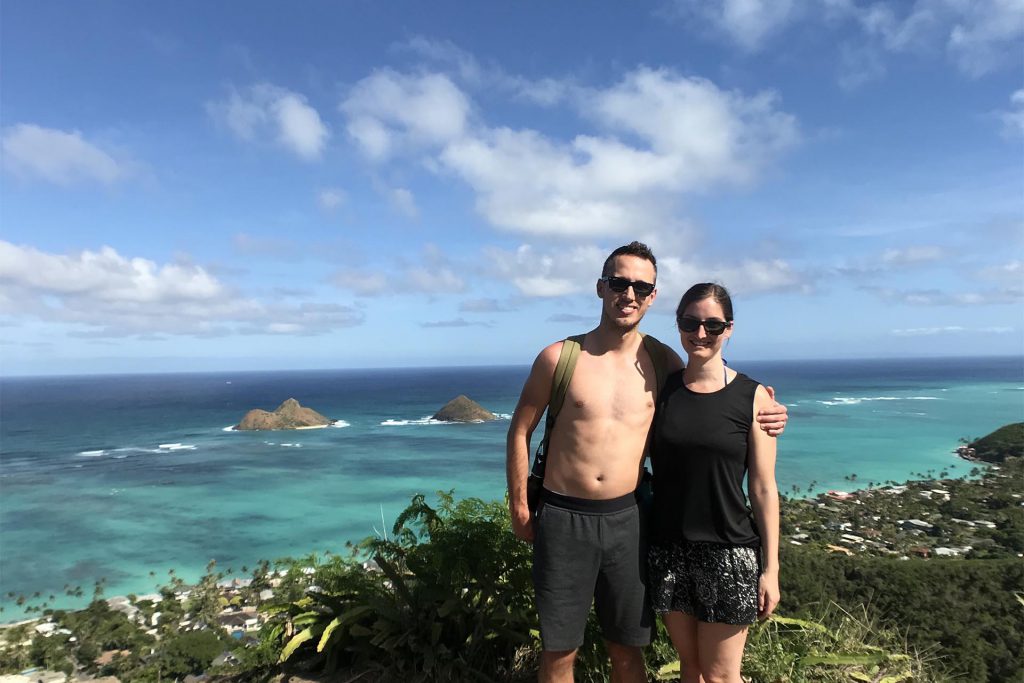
<point x="773" y="418"/>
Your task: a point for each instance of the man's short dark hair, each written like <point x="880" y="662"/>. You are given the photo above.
<point x="634" y="248"/>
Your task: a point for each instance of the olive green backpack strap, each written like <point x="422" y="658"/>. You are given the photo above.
<point x="659" y="358"/>
<point x="559" y="385"/>
<point x="570" y="353"/>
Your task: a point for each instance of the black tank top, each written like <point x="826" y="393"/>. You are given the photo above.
<point x="699" y="458"/>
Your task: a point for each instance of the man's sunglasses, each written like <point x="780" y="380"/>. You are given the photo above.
<point x="620" y="284"/>
<point x="712" y="326"/>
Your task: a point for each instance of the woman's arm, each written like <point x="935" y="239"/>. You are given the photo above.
<point x="764" y="500"/>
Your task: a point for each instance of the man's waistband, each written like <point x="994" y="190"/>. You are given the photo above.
<point x="589" y="505"/>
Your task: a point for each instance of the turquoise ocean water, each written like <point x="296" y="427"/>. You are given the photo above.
<point x="117" y="476"/>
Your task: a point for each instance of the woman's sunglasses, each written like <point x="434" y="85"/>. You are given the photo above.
<point x="712" y="326"/>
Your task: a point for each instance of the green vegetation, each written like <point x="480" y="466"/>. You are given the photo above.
<point x="447" y="596"/>
<point x="962" y="611"/>
<point x="1005" y="442"/>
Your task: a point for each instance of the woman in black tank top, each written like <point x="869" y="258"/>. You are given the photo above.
<point x="713" y="560"/>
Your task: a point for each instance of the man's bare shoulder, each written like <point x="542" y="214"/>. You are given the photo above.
<point x="547" y="359"/>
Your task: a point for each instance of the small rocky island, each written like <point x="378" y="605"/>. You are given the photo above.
<point x="464" y="409"/>
<point x="288" y="415"/>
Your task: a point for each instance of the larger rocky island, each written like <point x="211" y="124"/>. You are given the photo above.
<point x="464" y="409"/>
<point x="288" y="415"/>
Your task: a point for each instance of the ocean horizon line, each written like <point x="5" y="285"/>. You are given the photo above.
<point x="483" y="366"/>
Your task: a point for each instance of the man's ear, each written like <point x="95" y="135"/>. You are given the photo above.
<point x="600" y="289"/>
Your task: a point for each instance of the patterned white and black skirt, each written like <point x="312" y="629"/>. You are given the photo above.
<point x="712" y="582"/>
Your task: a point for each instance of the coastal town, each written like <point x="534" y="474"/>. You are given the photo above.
<point x="929" y="518"/>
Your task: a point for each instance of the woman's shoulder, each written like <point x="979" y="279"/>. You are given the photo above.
<point x="746" y="383"/>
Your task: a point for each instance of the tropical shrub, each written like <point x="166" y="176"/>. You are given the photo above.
<point x="450" y="599"/>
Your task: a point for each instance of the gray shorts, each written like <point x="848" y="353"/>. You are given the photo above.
<point x="590" y="551"/>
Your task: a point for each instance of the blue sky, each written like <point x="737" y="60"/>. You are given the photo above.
<point x="206" y="186"/>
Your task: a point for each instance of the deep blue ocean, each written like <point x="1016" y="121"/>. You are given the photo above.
<point x="118" y="476"/>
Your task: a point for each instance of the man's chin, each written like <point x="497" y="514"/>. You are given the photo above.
<point x="623" y="324"/>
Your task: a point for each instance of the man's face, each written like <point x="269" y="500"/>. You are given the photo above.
<point x="625" y="309"/>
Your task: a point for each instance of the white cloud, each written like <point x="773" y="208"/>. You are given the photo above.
<point x="1011" y="272"/>
<point x="112" y="295"/>
<point x="977" y="35"/>
<point x="749" y="23"/>
<point x="552" y="273"/>
<point x="389" y="112"/>
<point x="331" y="198"/>
<point x="949" y="329"/>
<point x="913" y="255"/>
<point x="745" y="277"/>
<point x="432" y="273"/>
<point x="544" y="92"/>
<point x="268" y="111"/>
<point x="1013" y="118"/>
<point x="57" y="156"/>
<point x="985" y="34"/>
<point x="1012" y="294"/>
<point x="691" y="136"/>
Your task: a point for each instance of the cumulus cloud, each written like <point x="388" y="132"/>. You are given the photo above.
<point x="744" y="277"/>
<point x="112" y="295"/>
<point x="937" y="297"/>
<point x="58" y="156"/>
<point x="557" y="272"/>
<point x="688" y="135"/>
<point x="551" y="273"/>
<point x="748" y="23"/>
<point x="390" y="111"/>
<point x="265" y="111"/>
<point x="977" y="37"/>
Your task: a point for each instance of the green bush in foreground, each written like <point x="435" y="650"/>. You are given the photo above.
<point x="453" y="601"/>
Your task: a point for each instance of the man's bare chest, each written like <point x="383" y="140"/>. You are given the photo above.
<point x="609" y="391"/>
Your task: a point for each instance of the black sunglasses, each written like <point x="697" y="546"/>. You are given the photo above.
<point x="620" y="284"/>
<point x="712" y="326"/>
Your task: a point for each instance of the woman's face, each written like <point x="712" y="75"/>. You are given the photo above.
<point x="699" y="343"/>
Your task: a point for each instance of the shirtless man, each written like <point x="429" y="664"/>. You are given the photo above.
<point x="588" y="541"/>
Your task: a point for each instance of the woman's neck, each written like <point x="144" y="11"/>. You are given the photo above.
<point x="704" y="371"/>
